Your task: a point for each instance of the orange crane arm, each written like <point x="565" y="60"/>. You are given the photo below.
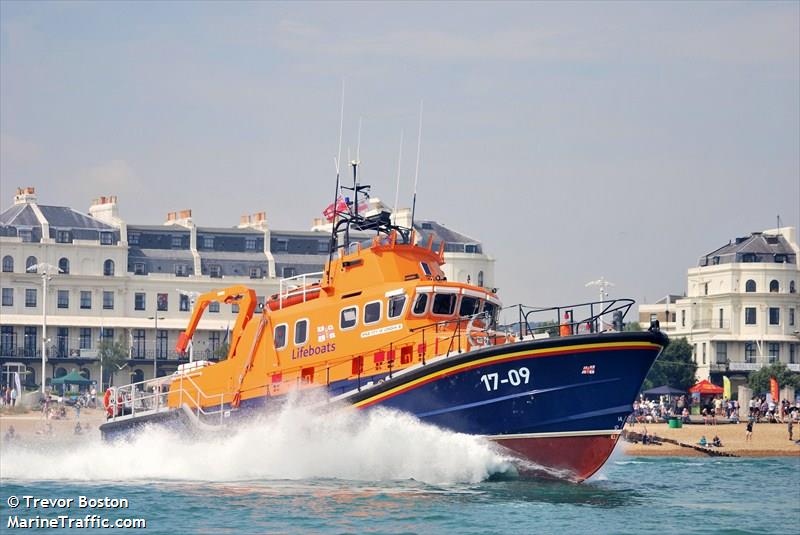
<point x="243" y="295"/>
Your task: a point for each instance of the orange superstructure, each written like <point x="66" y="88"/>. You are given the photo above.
<point x="367" y="315"/>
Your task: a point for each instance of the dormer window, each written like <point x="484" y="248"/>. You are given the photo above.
<point x="715" y="261"/>
<point x="208" y="242"/>
<point x="250" y="244"/>
<point x="63" y="236"/>
<point x="780" y="259"/>
<point x="177" y="242"/>
<point x="215" y="271"/>
<point x="181" y="270"/>
<point x="106" y="238"/>
<point x="255" y="272"/>
<point x="133" y="238"/>
<point x="25" y="235"/>
<point x="139" y="268"/>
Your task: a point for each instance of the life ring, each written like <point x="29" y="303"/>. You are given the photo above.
<point x="107" y="403"/>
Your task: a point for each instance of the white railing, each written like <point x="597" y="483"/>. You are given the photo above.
<point x="298" y="285"/>
<point x="151" y="396"/>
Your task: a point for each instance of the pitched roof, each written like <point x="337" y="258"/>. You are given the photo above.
<point x="758" y="247"/>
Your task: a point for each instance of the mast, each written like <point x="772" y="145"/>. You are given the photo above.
<point x="416" y="173"/>
<point x="337" y="160"/>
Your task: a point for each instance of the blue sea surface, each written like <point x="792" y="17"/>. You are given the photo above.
<point x="630" y="495"/>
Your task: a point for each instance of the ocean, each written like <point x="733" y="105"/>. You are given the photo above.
<point x="379" y="472"/>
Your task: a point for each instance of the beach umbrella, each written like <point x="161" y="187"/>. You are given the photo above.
<point x="705" y="387"/>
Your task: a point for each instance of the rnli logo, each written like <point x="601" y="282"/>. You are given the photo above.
<point x="588" y="370"/>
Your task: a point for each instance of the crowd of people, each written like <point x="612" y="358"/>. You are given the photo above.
<point x="8" y="396"/>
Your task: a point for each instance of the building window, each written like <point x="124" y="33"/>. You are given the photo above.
<point x="792" y="289"/>
<point x="471" y="248"/>
<point x="255" y="272"/>
<point x="774" y="316"/>
<point x="322" y="247"/>
<point x="29" y="341"/>
<point x="722" y="352"/>
<point x="177" y="242"/>
<point x="250" y="244"/>
<point x="683" y="318"/>
<point x="792" y="353"/>
<point x="139" y="268"/>
<point x="8" y="264"/>
<point x="208" y="242"/>
<point x="280" y="336"/>
<point x="63" y="266"/>
<point x="750" y="316"/>
<point x="750" y="286"/>
<point x="181" y="270"/>
<point x="139" y="301"/>
<point x="106" y="238"/>
<point x="300" y="332"/>
<point x="215" y="271"/>
<point x="214" y="340"/>
<point x="108" y="268"/>
<point x="705" y="288"/>
<point x="704" y="352"/>
<point x="62" y="341"/>
<point x="774" y="350"/>
<point x="234" y="308"/>
<point x="86" y="299"/>
<point x="348" y="318"/>
<point x="108" y="300"/>
<point x="372" y="312"/>
<point x="183" y="303"/>
<point x="26" y="236"/>
<point x="213" y="306"/>
<point x="8" y="297"/>
<point x="281" y="245"/>
<point x="289" y="272"/>
<point x="85" y="338"/>
<point x="791" y="317"/>
<point x="139" y="344"/>
<point x="63" y="299"/>
<point x="30" y="297"/>
<point x="773" y="286"/>
<point x="162" y="302"/>
<point x="721" y="318"/>
<point x="63" y="236"/>
<point x="163" y="340"/>
<point x="750" y="352"/>
<point x="133" y="238"/>
<point x="30" y="264"/>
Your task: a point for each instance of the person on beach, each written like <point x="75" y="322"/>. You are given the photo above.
<point x="716" y="442"/>
<point x="749" y="434"/>
<point x="14" y="396"/>
<point x="703" y="440"/>
<point x="789" y="427"/>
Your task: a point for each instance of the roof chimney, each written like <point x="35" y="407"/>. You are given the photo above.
<point x="257" y="220"/>
<point x="105" y="209"/>
<point x="181" y="217"/>
<point x="25" y="195"/>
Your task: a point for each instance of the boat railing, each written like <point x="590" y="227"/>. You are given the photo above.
<point x="151" y="396"/>
<point x="298" y="285"/>
<point x="567" y="320"/>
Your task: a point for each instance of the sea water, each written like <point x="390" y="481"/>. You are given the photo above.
<point x="297" y="471"/>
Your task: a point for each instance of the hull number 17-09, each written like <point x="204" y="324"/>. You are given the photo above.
<point x="514" y="377"/>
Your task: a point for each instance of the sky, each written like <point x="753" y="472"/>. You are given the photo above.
<point x="575" y="140"/>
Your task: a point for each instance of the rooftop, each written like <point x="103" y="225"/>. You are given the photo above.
<point x="757" y="247"/>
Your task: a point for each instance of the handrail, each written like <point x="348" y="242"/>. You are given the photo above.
<point x="303" y="288"/>
<point x="592" y="319"/>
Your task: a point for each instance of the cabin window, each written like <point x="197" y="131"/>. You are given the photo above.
<point x="444" y="304"/>
<point x="348" y="318"/>
<point x="420" y="304"/>
<point x="372" y="312"/>
<point x="395" y="306"/>
<point x="489" y="311"/>
<point x="426" y="269"/>
<point x="300" y="332"/>
<point x="469" y="306"/>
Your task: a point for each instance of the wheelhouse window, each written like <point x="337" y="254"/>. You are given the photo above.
<point x="300" y="332"/>
<point x="348" y="318"/>
<point x="395" y="306"/>
<point x="490" y="311"/>
<point x="420" y="304"/>
<point x="469" y="306"/>
<point x="444" y="304"/>
<point x="280" y="335"/>
<point x="372" y="312"/>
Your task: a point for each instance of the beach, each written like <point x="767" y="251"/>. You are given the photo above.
<point x="768" y="440"/>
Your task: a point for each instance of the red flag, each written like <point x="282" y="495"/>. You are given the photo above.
<point x="773" y="389"/>
<point x="330" y="211"/>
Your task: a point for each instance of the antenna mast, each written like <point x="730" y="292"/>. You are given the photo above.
<point x="416" y="172"/>
<point x="337" y="161"/>
<point x="397" y="188"/>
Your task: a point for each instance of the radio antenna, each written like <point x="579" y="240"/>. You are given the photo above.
<point x="397" y="188"/>
<point x="416" y="173"/>
<point x="338" y="159"/>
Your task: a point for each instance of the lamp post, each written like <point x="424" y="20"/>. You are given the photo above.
<point x="155" y="344"/>
<point x="46" y="270"/>
<point x="192" y="298"/>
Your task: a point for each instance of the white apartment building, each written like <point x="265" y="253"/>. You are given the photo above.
<point x="109" y="279"/>
<point x="741" y="308"/>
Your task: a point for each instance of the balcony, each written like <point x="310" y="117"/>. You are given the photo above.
<point x="711" y="325"/>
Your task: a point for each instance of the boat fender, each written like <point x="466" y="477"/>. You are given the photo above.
<point x="107" y="403"/>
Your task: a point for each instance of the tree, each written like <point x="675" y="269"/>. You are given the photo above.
<point x="221" y="352"/>
<point x="759" y="380"/>
<point x="674" y="367"/>
<point x="632" y="326"/>
<point x="113" y="355"/>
